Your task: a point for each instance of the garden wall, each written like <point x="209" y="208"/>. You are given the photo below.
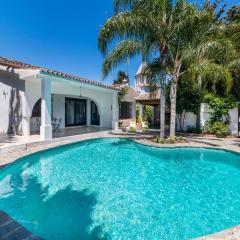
<point x="190" y="119"/>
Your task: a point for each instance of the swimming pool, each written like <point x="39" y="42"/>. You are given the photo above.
<point x="118" y="189"/>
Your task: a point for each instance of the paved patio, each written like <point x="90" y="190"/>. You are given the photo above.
<point x="15" y="142"/>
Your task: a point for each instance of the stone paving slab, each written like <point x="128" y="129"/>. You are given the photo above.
<point x="229" y="234"/>
<point x="12" y="230"/>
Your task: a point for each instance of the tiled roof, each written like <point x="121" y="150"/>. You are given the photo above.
<point x="20" y="65"/>
<point x="148" y="96"/>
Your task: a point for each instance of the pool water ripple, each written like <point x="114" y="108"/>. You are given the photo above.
<point x="118" y="189"/>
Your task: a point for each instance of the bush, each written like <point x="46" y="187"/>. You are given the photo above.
<point x="171" y="140"/>
<point x="161" y="141"/>
<point x="145" y="129"/>
<point x="220" y="129"/>
<point x="180" y="139"/>
<point x="157" y="139"/>
<point x="133" y="130"/>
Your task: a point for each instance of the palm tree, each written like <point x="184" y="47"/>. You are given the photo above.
<point x="195" y="45"/>
<point x="215" y="56"/>
<point x="177" y="34"/>
<point x="143" y="28"/>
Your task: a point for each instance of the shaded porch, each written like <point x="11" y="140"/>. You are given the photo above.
<point x="152" y="99"/>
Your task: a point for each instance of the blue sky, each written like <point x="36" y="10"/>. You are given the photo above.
<point x="59" y="34"/>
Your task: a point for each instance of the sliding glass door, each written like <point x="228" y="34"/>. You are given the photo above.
<point x="75" y="112"/>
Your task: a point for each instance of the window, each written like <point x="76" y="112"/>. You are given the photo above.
<point x="125" y="110"/>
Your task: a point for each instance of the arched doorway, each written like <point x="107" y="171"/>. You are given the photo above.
<point x="35" y="121"/>
<point x="36" y="112"/>
<point x="95" y="117"/>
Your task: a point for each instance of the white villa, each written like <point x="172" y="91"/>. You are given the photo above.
<point x="36" y="99"/>
<point x="141" y="95"/>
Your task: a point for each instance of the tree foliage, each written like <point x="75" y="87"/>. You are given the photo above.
<point x="121" y="76"/>
<point x="220" y="107"/>
<point x="233" y="14"/>
<point x="175" y="38"/>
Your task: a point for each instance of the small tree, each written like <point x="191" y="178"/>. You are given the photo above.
<point x="122" y="93"/>
<point x="220" y="107"/>
<point x="148" y="113"/>
<point x="189" y="99"/>
<point x="121" y="77"/>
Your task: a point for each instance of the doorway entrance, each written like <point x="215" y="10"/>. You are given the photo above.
<point x="75" y="112"/>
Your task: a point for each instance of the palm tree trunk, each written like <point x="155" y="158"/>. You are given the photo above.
<point x="162" y="111"/>
<point x="198" y="120"/>
<point x="164" y="52"/>
<point x="173" y="100"/>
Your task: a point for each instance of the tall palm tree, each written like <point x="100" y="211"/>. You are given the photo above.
<point x="174" y="32"/>
<point x="143" y="29"/>
<point x="195" y="43"/>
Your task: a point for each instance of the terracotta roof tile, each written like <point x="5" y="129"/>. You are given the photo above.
<point x="148" y="96"/>
<point x="20" y="65"/>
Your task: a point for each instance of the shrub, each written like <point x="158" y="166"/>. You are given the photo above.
<point x="161" y="141"/>
<point x="171" y="140"/>
<point x="145" y="129"/>
<point x="157" y="139"/>
<point x="180" y="139"/>
<point x="218" y="128"/>
<point x="133" y="130"/>
<point x="220" y="107"/>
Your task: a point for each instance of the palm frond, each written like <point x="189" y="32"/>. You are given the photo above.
<point x="123" y="4"/>
<point x="222" y="50"/>
<point x="234" y="65"/>
<point x="215" y="72"/>
<point x="123" y="25"/>
<point x="120" y="54"/>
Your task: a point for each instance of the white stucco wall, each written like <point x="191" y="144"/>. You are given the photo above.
<point x="12" y="91"/>
<point x="233" y="127"/>
<point x="190" y="119"/>
<point x="29" y="92"/>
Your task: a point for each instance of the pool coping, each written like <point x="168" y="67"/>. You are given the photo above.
<point x="12" y="155"/>
<point x="10" y="229"/>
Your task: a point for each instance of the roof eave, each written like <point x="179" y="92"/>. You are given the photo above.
<point x="59" y="77"/>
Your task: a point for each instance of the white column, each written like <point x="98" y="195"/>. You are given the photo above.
<point x="46" y="125"/>
<point x="115" y="109"/>
<point x="88" y="112"/>
<point x="26" y="117"/>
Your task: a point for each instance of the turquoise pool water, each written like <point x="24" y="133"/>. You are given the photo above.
<point x="118" y="189"/>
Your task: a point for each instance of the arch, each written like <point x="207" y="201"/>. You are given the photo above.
<point x="95" y="116"/>
<point x="36" y="111"/>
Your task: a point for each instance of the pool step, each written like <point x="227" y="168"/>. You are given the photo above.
<point x="12" y="230"/>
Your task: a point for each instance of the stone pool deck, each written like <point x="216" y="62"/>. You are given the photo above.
<point x="11" y="153"/>
<point x="12" y="230"/>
